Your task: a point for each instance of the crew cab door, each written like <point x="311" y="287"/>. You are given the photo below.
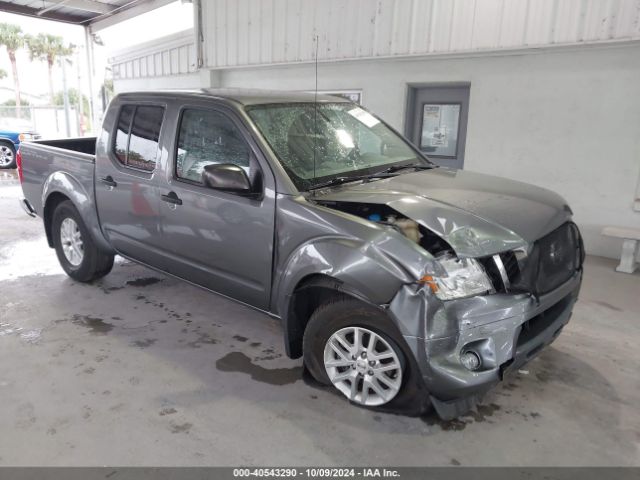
<point x="127" y="194"/>
<point x="217" y="239"/>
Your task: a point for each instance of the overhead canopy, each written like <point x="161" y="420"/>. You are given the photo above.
<point x="90" y="13"/>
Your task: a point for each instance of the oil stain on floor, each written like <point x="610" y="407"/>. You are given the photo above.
<point x="239" y="362"/>
<point x="96" y="325"/>
<point x="480" y="414"/>
<point x="143" y="281"/>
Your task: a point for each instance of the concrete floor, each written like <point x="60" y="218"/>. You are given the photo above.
<point x="141" y="369"/>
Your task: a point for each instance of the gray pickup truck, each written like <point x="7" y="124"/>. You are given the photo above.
<point x="402" y="284"/>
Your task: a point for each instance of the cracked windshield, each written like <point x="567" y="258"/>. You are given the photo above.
<point x="347" y="140"/>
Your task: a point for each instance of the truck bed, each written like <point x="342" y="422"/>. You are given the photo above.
<point x="46" y="162"/>
<point x="81" y="145"/>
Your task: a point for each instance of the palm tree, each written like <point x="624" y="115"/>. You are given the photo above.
<point x="12" y="38"/>
<point x="47" y="47"/>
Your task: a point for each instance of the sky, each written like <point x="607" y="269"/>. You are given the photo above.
<point x="171" y="18"/>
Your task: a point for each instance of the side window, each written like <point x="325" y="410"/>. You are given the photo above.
<point x="207" y="137"/>
<point x="120" y="145"/>
<point x="136" y="142"/>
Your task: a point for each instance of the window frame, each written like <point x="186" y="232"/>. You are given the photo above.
<point x="174" y="155"/>
<point x="114" y="133"/>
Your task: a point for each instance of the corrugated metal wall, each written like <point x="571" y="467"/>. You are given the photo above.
<point x="172" y="55"/>
<point x="253" y="32"/>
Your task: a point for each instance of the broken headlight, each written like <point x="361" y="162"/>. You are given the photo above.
<point x="458" y="278"/>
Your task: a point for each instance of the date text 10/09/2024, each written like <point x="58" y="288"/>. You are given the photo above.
<point x="317" y="472"/>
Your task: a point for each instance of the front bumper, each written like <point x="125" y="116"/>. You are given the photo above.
<point x="505" y="330"/>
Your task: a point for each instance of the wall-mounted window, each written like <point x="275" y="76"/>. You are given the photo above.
<point x="137" y="135"/>
<point x="440" y="123"/>
<point x="437" y="121"/>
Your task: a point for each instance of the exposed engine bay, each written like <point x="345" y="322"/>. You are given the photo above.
<point x="386" y="215"/>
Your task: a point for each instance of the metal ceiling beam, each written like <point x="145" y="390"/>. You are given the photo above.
<point x="125" y="13"/>
<point x="84" y="5"/>
<point x="33" y="12"/>
<point x="96" y="22"/>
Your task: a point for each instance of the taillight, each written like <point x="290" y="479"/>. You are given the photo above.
<point x="19" y="165"/>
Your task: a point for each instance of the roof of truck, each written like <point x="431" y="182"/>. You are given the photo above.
<point x="245" y="96"/>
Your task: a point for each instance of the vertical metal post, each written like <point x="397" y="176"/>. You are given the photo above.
<point x="80" y="106"/>
<point x="88" y="44"/>
<point x="65" y="96"/>
<point x="32" y="114"/>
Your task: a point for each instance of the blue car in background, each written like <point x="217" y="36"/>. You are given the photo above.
<point x="12" y="132"/>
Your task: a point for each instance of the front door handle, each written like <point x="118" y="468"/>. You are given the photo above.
<point x="171" y="197"/>
<point x="109" y="181"/>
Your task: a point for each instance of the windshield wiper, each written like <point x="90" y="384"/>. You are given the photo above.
<point x="353" y="178"/>
<point x="387" y="172"/>
<point x="417" y="166"/>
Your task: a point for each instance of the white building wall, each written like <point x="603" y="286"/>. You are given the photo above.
<point x="163" y="63"/>
<point x="566" y="119"/>
<point x="253" y="32"/>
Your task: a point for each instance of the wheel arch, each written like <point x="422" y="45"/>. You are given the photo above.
<point x="50" y="205"/>
<point x="332" y="267"/>
<point x="311" y="292"/>
<point x="62" y="186"/>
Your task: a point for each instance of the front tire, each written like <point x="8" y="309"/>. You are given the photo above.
<point x="77" y="253"/>
<point x="7" y="155"/>
<point x="356" y="349"/>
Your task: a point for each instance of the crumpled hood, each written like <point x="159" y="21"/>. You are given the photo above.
<point x="476" y="214"/>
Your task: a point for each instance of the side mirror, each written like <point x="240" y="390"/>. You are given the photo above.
<point x="227" y="177"/>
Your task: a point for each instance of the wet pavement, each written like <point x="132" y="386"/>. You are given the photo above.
<point x="9" y="177"/>
<point x="142" y="369"/>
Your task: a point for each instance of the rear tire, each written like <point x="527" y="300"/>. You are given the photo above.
<point x="7" y="155"/>
<point x="77" y="253"/>
<point x="345" y="316"/>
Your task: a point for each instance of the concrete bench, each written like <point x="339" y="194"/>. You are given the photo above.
<point x="631" y="237"/>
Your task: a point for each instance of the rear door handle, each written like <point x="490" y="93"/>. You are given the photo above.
<point x="171" y="197"/>
<point x="109" y="181"/>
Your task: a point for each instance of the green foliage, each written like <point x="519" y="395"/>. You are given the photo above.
<point x="12" y="103"/>
<point x="3" y="74"/>
<point x="11" y="37"/>
<point x="108" y="87"/>
<point x="24" y="113"/>
<point x="47" y="47"/>
<point x="58" y="99"/>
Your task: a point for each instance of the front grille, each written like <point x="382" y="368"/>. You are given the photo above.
<point x="559" y="256"/>
<point x="511" y="267"/>
<point x="494" y="274"/>
<point x="510" y="263"/>
<point x="552" y="261"/>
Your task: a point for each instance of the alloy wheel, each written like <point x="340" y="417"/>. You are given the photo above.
<point x="6" y="156"/>
<point x="71" y="240"/>
<point x="363" y="366"/>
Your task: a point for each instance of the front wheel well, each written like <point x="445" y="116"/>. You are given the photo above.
<point x="310" y="293"/>
<point x="50" y="205"/>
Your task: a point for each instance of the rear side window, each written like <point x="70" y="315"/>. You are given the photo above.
<point x="122" y="133"/>
<point x="208" y="137"/>
<point x="137" y="134"/>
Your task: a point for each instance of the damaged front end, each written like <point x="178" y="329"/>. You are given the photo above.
<point x="487" y="304"/>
